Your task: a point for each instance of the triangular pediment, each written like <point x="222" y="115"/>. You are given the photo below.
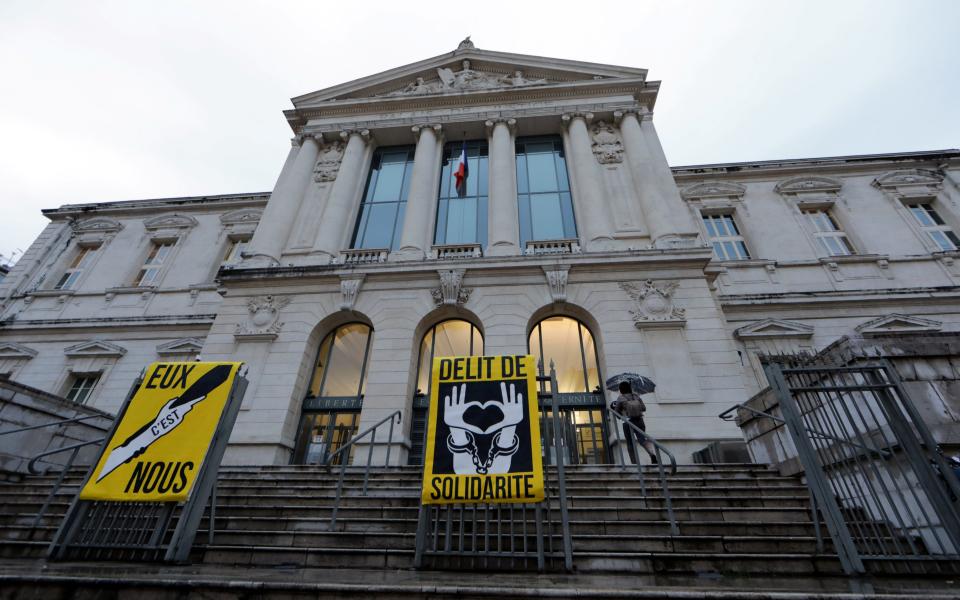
<point x="181" y="346"/>
<point x="714" y="189"/>
<point x="774" y="328"/>
<point x="897" y="323"/>
<point x="14" y="350"/>
<point x="95" y="348"/>
<point x="469" y="70"/>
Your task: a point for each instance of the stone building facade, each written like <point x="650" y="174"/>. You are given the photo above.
<point x="572" y="238"/>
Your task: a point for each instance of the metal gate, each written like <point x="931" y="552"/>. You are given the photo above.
<point x="880" y="484"/>
<point x="503" y="536"/>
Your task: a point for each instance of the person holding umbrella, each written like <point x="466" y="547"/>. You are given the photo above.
<point x="629" y="404"/>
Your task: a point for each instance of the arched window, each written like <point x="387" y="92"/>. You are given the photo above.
<point x="569" y="344"/>
<point x="455" y="337"/>
<point x="331" y="410"/>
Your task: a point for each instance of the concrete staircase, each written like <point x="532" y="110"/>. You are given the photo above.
<point x="733" y="519"/>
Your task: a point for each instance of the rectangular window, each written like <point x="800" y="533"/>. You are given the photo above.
<point x="828" y="233"/>
<point x="725" y="237"/>
<point x="380" y="223"/>
<point x="234" y="253"/>
<point x="81" y="386"/>
<point x="463" y="219"/>
<point x="543" y="190"/>
<point x="933" y="225"/>
<point x="150" y="272"/>
<point x="80" y="262"/>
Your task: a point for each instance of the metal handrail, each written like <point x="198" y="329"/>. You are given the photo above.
<point x="661" y="449"/>
<point x="64" y="422"/>
<point x="31" y="467"/>
<point x="372" y="431"/>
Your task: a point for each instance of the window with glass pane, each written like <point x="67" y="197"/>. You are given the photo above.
<point x="449" y="338"/>
<point x="234" y="253"/>
<point x="341" y="364"/>
<point x="543" y="190"/>
<point x="81" y="386"/>
<point x="380" y="222"/>
<point x="150" y="272"/>
<point x="934" y="226"/>
<point x="80" y="261"/>
<point x="828" y="233"/>
<point x="569" y="344"/>
<point x="463" y="220"/>
<point x="725" y="237"/>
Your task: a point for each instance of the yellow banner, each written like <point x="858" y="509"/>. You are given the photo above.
<point x="159" y="445"/>
<point x="483" y="434"/>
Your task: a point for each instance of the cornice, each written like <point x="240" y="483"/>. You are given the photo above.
<point x="131" y="207"/>
<point x="107" y="322"/>
<point x="926" y="296"/>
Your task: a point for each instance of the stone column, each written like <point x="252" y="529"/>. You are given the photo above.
<point x="593" y="214"/>
<point x="415" y="240"/>
<point x="333" y="225"/>
<point x="503" y="222"/>
<point x="281" y="210"/>
<point x="663" y="209"/>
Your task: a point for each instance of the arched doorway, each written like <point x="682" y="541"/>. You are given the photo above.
<point x="331" y="408"/>
<point x="570" y="345"/>
<point x="454" y="337"/>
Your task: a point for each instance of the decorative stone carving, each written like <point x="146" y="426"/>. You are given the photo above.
<point x="349" y="290"/>
<point x="809" y="184"/>
<point x="465" y="79"/>
<point x="15" y="350"/>
<point x="170" y="222"/>
<point x="557" y="281"/>
<point x="607" y="146"/>
<point x="241" y="216"/>
<point x="264" y="321"/>
<point x="98" y="225"/>
<point x="654" y="304"/>
<point x="909" y="178"/>
<point x="328" y="163"/>
<point x="714" y="189"/>
<point x="451" y="292"/>
<point x="774" y="329"/>
<point x="181" y="346"/>
<point x="95" y="348"/>
<point x="466" y="44"/>
<point x="898" y="323"/>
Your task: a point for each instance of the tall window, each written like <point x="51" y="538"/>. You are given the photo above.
<point x="933" y="225"/>
<point x="80" y="262"/>
<point x="463" y="220"/>
<point x="385" y="199"/>
<point x="234" y="253"/>
<point x="727" y="242"/>
<point x="449" y="338"/>
<point x="543" y="190"/>
<point x="828" y="233"/>
<point x="331" y="410"/>
<point x="150" y="271"/>
<point x="81" y="386"/>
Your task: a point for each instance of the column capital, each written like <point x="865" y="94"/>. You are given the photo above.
<point x="641" y="113"/>
<point x="568" y="118"/>
<point x="364" y="134"/>
<point x="436" y="127"/>
<point x="510" y="122"/>
<point x="300" y="138"/>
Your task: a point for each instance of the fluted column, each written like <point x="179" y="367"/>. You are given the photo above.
<point x="333" y="225"/>
<point x="593" y="218"/>
<point x="660" y="200"/>
<point x="419" y="216"/>
<point x="503" y="234"/>
<point x="281" y="210"/>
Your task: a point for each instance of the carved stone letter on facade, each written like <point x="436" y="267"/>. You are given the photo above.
<point x="264" y="321"/>
<point x="607" y="146"/>
<point x="654" y="305"/>
<point x="328" y="163"/>
<point x="450" y="291"/>
<point x="557" y="280"/>
<point x="349" y="290"/>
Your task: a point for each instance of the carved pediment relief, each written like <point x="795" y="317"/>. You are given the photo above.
<point x="169" y="222"/>
<point x="809" y="184"/>
<point x="897" y="323"/>
<point x="95" y="348"/>
<point x="466" y="78"/>
<point x="14" y="350"/>
<point x="909" y="178"/>
<point x="181" y="346"/>
<point x="241" y="216"/>
<point x="98" y="225"/>
<point x="713" y="189"/>
<point x="774" y="328"/>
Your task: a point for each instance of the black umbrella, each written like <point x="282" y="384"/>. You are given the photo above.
<point x="638" y="383"/>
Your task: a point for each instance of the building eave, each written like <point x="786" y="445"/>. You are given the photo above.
<point x="152" y="205"/>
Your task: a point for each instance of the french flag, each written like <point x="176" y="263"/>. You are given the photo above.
<point x="460" y="172"/>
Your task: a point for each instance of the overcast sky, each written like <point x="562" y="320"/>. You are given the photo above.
<point x="123" y="100"/>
